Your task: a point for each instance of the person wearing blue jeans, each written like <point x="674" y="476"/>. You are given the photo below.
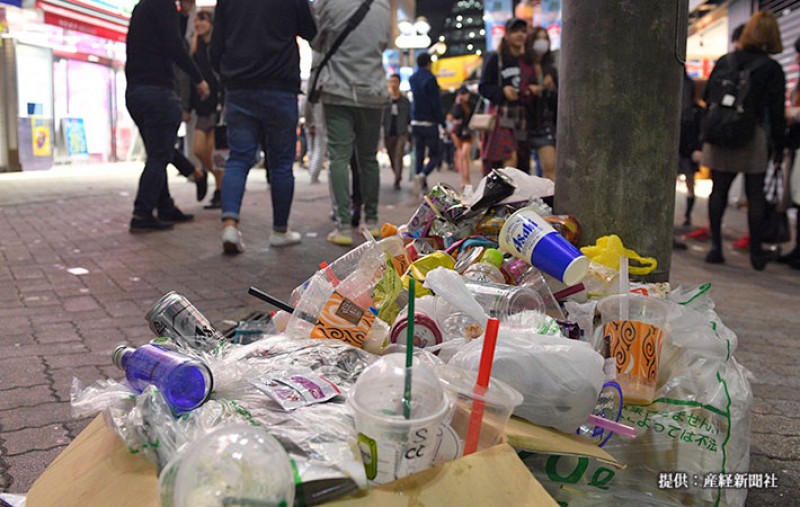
<point x="254" y="51"/>
<point x="250" y="115"/>
<point x="426" y="140"/>
<point x="153" y="45"/>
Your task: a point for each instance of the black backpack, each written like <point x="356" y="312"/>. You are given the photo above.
<point x="728" y="122"/>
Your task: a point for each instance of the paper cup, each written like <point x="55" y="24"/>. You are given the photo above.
<point x="633" y="328"/>
<point x="391" y="445"/>
<point x="529" y="237"/>
<point x="499" y="402"/>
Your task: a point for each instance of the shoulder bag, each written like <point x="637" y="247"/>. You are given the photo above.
<point x="485" y="121"/>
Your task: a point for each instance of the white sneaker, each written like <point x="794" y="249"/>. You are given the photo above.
<point x="342" y="236"/>
<point x="232" y="240"/>
<point x="284" y="238"/>
<point x="373" y="228"/>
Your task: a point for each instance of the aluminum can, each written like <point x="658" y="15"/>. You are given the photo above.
<point x="175" y="317"/>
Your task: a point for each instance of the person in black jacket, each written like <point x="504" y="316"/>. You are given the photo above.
<point x="396" y="118"/>
<point x="689" y="146"/>
<point x="153" y="44"/>
<point x="767" y="87"/>
<point x="254" y="51"/>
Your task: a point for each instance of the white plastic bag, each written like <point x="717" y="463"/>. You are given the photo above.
<point x="559" y="379"/>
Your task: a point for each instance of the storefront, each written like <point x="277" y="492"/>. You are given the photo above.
<point x="64" y="84"/>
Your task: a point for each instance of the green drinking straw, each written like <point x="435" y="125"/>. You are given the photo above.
<point x="409" y="350"/>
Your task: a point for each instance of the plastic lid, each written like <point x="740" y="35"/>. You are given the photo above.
<point x="463" y="382"/>
<point x="234" y="465"/>
<point x="493" y="256"/>
<point x="378" y="393"/>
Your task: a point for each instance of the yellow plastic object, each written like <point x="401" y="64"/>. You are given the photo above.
<point x="419" y="270"/>
<point x="609" y="249"/>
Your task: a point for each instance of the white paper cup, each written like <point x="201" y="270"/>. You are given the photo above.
<point x="529" y="237"/>
<point x="391" y="445"/>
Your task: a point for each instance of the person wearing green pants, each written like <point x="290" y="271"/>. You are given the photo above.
<point x="352" y="90"/>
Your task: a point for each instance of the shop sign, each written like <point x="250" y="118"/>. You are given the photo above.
<point x="118" y="7"/>
<point x="74" y="136"/>
<point x="15" y="3"/>
<point x="41" y="137"/>
<point x="496" y="13"/>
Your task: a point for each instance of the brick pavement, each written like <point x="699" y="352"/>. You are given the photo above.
<point x="56" y="324"/>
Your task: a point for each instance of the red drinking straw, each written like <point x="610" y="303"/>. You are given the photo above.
<point x="481" y="386"/>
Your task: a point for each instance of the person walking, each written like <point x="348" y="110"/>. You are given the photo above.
<point x="500" y="83"/>
<point x="793" y="119"/>
<point x="351" y="87"/>
<point x="206" y="110"/>
<point x="427" y="121"/>
<point x="764" y="99"/>
<point x="254" y="51"/>
<point x="540" y="96"/>
<point x="152" y="45"/>
<point x="396" y="119"/>
<point x="458" y="121"/>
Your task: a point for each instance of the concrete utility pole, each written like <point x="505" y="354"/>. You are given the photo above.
<point x="618" y="120"/>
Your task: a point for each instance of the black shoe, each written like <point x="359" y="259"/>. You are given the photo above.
<point x="678" y="245"/>
<point x="149" y="224"/>
<point x="793" y="256"/>
<point x="202" y="186"/>
<point x="760" y="258"/>
<point x="175" y="215"/>
<point x="714" y="256"/>
<point x="216" y="201"/>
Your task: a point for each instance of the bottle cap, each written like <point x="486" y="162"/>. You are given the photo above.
<point x="493" y="256"/>
<point x="388" y="230"/>
<point x="116" y="356"/>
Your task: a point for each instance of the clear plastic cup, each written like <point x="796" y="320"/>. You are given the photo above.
<point x="633" y="327"/>
<point x="391" y="445"/>
<point x="501" y="300"/>
<point x="234" y="465"/>
<point x="499" y="402"/>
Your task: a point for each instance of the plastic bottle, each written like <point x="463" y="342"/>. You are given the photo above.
<point x="524" y="275"/>
<point x="396" y="252"/>
<point x="488" y="269"/>
<point x="186" y="383"/>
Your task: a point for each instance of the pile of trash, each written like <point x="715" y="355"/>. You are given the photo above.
<point x="414" y="349"/>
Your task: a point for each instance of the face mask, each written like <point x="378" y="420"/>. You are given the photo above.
<point x="541" y="46"/>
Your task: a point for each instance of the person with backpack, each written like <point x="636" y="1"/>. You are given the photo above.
<point x="743" y="128"/>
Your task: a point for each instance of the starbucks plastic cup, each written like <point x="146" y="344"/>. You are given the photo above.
<point x="529" y="237"/>
<point x="391" y="445"/>
<point x="233" y="465"/>
<point x="499" y="402"/>
<point x="633" y="328"/>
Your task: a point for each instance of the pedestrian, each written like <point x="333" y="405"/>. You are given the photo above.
<point x="500" y="82"/>
<point x="206" y="110"/>
<point x="152" y="45"/>
<point x="689" y="145"/>
<point x="458" y="122"/>
<point x="255" y="53"/>
<point x="793" y="119"/>
<point x="540" y="97"/>
<point x="396" y="119"/>
<point x="427" y="121"/>
<point x="764" y="100"/>
<point x="351" y="86"/>
<point x="315" y="122"/>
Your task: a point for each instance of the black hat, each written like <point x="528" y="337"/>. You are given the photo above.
<point x="462" y="89"/>
<point x="515" y="24"/>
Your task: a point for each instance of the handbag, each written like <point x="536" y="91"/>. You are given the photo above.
<point x="357" y="17"/>
<point x="483" y="122"/>
<point x="486" y="121"/>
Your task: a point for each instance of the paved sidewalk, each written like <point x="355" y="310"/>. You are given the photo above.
<point x="57" y="323"/>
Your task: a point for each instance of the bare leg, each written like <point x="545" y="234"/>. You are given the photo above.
<point x="547" y="158"/>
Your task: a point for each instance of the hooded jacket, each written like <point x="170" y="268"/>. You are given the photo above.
<point x="354" y="75"/>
